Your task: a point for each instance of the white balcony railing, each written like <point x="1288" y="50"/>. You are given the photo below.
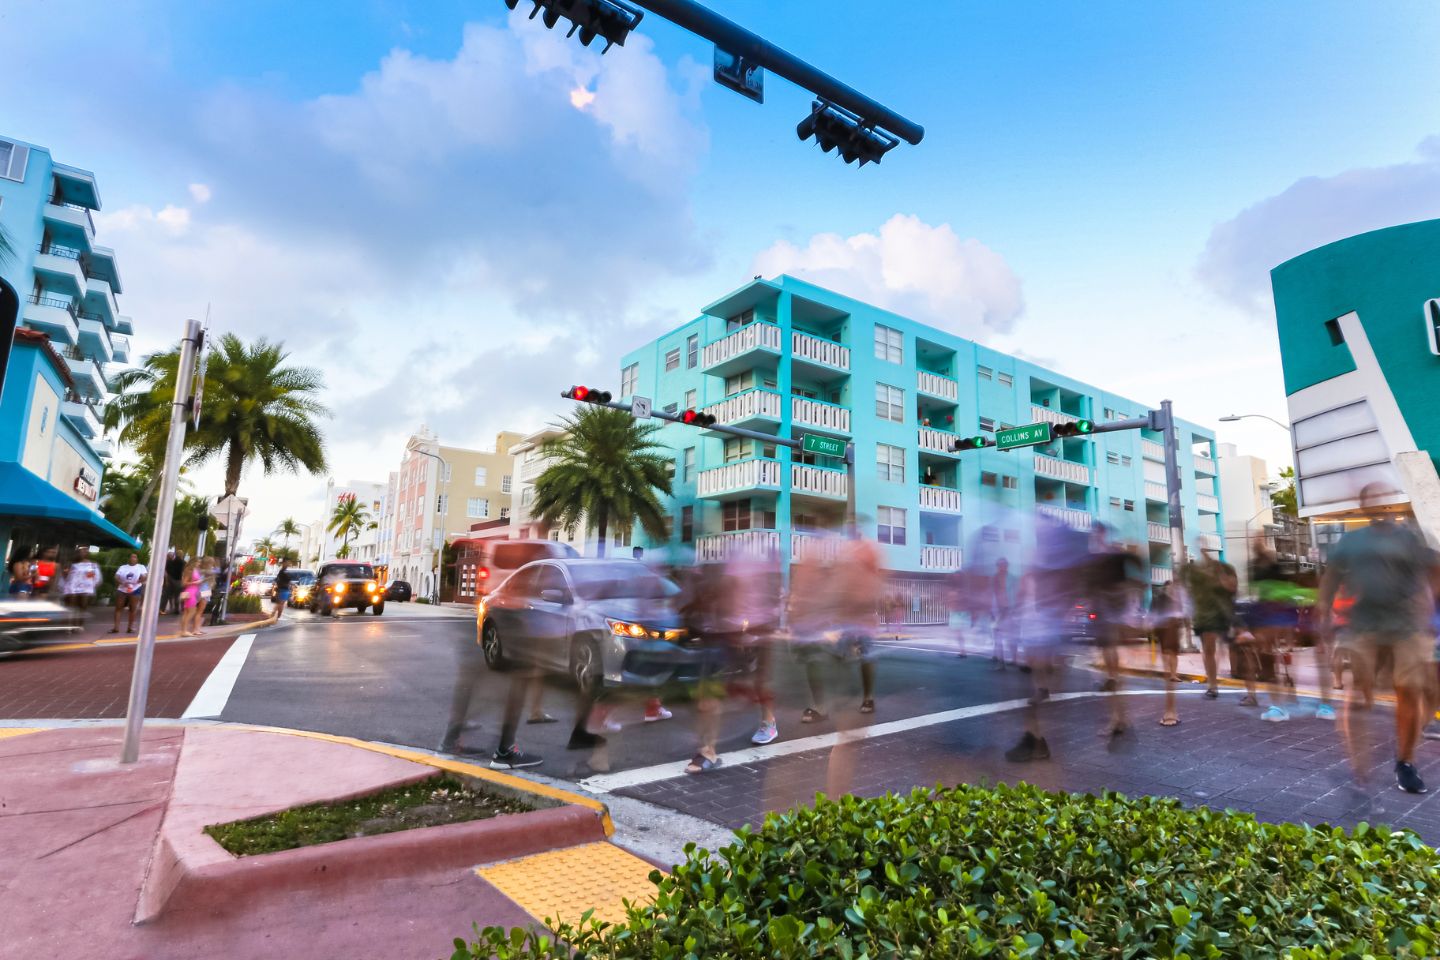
<point x="1058" y="469"/>
<point x="939" y="498"/>
<point x="810" y="546"/>
<point x="817" y="413"/>
<point x="753" y="544"/>
<point x="1156" y="491"/>
<point x="746" y="406"/>
<point x="1204" y="464"/>
<point x="939" y="558"/>
<point x="1210" y="541"/>
<point x="937" y="386"/>
<point x="1049" y="415"/>
<point x="1151" y="450"/>
<point x="819" y="481"/>
<point x="1159" y="532"/>
<point x="753" y="474"/>
<point x="1159" y="575"/>
<point x="825" y="352"/>
<point x="1207" y="503"/>
<point x="940" y="441"/>
<point x="530" y="469"/>
<point x="1075" y="519"/>
<point x="752" y="336"/>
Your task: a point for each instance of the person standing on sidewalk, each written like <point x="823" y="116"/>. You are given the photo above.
<point x="1211" y="585"/>
<point x="1391" y="572"/>
<point x="45" y="575"/>
<point x="20" y="574"/>
<point x="129" y="588"/>
<point x="81" y="581"/>
<point x="174" y="570"/>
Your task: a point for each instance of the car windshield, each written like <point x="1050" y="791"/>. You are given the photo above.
<point x="354" y="571"/>
<point x="619" y="581"/>
<point x="302" y="576"/>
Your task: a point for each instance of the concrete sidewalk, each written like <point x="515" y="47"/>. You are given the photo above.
<point x="97" y="852"/>
<point x="98" y="627"/>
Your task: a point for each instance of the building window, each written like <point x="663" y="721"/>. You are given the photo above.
<point x="890" y="462"/>
<point x="889" y="344"/>
<point x="1010" y="483"/>
<point x="739" y="320"/>
<point x="735" y="515"/>
<point x="670" y="408"/>
<point x="672" y="360"/>
<point x="505" y="484"/>
<point x="739" y="381"/>
<point x="889" y="403"/>
<point x="1112" y="458"/>
<point x="987" y="425"/>
<point x="1337" y="336"/>
<point x="1004" y="379"/>
<point x="12" y="160"/>
<point x="445" y="473"/>
<point x="482" y="476"/>
<point x="442" y="503"/>
<point x="629" y="379"/>
<point x="687" y="524"/>
<point x="1109" y="413"/>
<point x="477" y="508"/>
<point x="988" y="479"/>
<point x="1125" y="460"/>
<point x="687" y="465"/>
<point x="984" y="373"/>
<point x="890" y="525"/>
<point x="1115" y="502"/>
<point x="692" y="351"/>
<point x="504" y="513"/>
<point x="526" y="496"/>
<point x="689" y="399"/>
<point x="1130" y="506"/>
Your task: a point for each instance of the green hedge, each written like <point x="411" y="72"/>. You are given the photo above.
<point x="240" y="602"/>
<point x="1020" y="872"/>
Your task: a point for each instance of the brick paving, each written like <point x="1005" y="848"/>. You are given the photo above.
<point x="95" y="683"/>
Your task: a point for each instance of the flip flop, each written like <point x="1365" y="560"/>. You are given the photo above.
<point x="701" y="763"/>
<point x="1169" y="721"/>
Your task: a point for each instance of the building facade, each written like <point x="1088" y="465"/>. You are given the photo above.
<point x="1245" y="490"/>
<point x="786" y="357"/>
<point x="62" y="329"/>
<point x="1359" y="325"/>
<point x="366" y="545"/>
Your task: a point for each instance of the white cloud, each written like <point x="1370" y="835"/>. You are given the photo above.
<point x="580" y="98"/>
<point x="200" y="192"/>
<point x="922" y="271"/>
<point x="1311" y="212"/>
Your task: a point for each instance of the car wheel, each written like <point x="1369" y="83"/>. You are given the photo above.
<point x="378" y="609"/>
<point x="491" y="647"/>
<point x="585" y="667"/>
<point x="327" y="611"/>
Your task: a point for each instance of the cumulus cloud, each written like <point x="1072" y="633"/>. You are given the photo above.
<point x="200" y="192"/>
<point x="1311" y="212"/>
<point x="908" y="266"/>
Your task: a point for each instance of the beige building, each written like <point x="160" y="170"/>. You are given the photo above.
<point x="440" y="491"/>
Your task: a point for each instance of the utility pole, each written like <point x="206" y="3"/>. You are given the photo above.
<point x="164" y="513"/>
<point x="1166" y="422"/>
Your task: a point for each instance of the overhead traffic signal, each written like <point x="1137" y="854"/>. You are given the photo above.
<point x="695" y="418"/>
<point x="587" y="394"/>
<point x="835" y="128"/>
<point x="971" y="443"/>
<point x="610" y="19"/>
<point x="1073" y="428"/>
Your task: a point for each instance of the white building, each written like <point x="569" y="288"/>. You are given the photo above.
<point x="365" y="545"/>
<point x="1245" y="489"/>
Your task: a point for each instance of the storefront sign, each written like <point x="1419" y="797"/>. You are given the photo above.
<point x="87" y="484"/>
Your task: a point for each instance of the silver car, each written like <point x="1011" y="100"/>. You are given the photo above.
<point x="602" y="622"/>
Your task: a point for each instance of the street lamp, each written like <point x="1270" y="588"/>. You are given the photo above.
<point x="1310" y="521"/>
<point x="1260" y="416"/>
<point x="445" y="479"/>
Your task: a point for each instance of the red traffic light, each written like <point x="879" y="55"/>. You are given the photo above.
<point x="587" y="394"/>
<point x="580" y="393"/>
<point x="697" y="419"/>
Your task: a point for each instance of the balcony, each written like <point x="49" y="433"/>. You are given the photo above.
<point x="1159" y="575"/>
<point x="819" y="415"/>
<point x="1156" y="491"/>
<point x="1069" y="516"/>
<point x="532" y="468"/>
<point x="88" y="375"/>
<point x="938" y="441"/>
<point x="1207" y="503"/>
<point x="71" y="214"/>
<point x="1057" y="469"/>
<point x="751" y="544"/>
<point x="813" y="547"/>
<point x="54" y="316"/>
<point x="61" y="264"/>
<point x="750" y="408"/>
<point x="933" y="557"/>
<point x="103" y="448"/>
<point x="823" y="482"/>
<point x="120" y="347"/>
<point x="124" y="325"/>
<point x="826" y="355"/>
<point x="95" y="339"/>
<point x="83" y="415"/>
<point x="100" y="298"/>
<point x="935" y="385"/>
<point x="1041" y="414"/>
<point x="943" y="499"/>
<point x="1211" y="542"/>
<point x="740" y="478"/>
<point x="1204" y="465"/>
<point x="1158" y="532"/>
<point x="1151" y="450"/>
<point x="742" y="349"/>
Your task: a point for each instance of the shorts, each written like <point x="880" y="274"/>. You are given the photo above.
<point x="20" y="589"/>
<point x="840" y="644"/>
<point x="1219" y="626"/>
<point x="134" y="597"/>
<point x="1413" y="653"/>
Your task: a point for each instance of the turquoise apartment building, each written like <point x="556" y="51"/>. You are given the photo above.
<point x="62" y="328"/>
<point x="787" y="357"/>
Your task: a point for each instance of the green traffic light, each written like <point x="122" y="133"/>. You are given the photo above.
<point x="1085" y="426"/>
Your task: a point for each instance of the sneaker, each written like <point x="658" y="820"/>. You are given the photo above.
<point x="765" y="734"/>
<point x="514" y="759"/>
<point x="584" y="740"/>
<point x="1029" y="748"/>
<point x="1275" y="715"/>
<point x="1407" y="778"/>
<point x="608" y="725"/>
<point x="1324" y="712"/>
<point x="659" y="713"/>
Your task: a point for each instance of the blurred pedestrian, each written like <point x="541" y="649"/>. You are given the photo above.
<point x="1167" y="616"/>
<point x="129" y="589"/>
<point x="1211" y="585"/>
<point x="1112" y="587"/>
<point x="1002" y="619"/>
<point x="174" y="574"/>
<point x="82" y="579"/>
<point x="45" y="573"/>
<point x="281" y="599"/>
<point x="20" y="574"/>
<point x="189" y="600"/>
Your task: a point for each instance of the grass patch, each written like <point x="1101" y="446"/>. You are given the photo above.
<point x="427" y="804"/>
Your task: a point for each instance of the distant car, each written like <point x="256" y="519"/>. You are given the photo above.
<point x="259" y="584"/>
<point x="602" y="622"/>
<point x="23" y="622"/>
<point x="498" y="559"/>
<point x="342" y="584"/>
<point x="302" y="586"/>
<point x="398" y="591"/>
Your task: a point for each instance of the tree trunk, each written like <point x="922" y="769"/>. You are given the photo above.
<point x="144" y="502"/>
<point x="234" y="466"/>
<point x="602" y="527"/>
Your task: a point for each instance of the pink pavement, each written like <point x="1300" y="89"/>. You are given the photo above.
<point x="87" y="846"/>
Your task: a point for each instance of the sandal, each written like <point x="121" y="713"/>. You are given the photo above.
<point x="867" y="706"/>
<point x="1169" y="721"/>
<point x="701" y="763"/>
<point x="811" y="715"/>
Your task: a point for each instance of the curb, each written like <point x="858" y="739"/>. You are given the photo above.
<point x="229" y="630"/>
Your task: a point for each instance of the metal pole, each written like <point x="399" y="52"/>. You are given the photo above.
<point x="1172" y="488"/>
<point x="851" y="530"/>
<point x="150" y="605"/>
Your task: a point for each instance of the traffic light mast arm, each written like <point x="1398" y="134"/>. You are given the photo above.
<point x="676" y="418"/>
<point x="1133" y="423"/>
<point x="733" y="38"/>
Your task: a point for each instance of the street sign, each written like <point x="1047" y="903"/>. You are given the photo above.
<point x="640" y="408"/>
<point x="826" y="446"/>
<point x="1026" y="436"/>
<point x="741" y="74"/>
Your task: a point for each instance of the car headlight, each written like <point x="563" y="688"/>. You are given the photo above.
<point x="339" y="588"/>
<point x="636" y="631"/>
<point x="370" y="586"/>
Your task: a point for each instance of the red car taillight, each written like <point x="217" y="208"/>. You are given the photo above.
<point x="483" y="573"/>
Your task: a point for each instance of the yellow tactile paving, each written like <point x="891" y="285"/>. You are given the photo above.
<point x="563" y="884"/>
<point x="17" y="731"/>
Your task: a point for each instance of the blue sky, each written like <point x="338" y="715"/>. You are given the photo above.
<point x="1101" y="186"/>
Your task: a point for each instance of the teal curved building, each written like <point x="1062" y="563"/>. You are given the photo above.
<point x="1359" y="326"/>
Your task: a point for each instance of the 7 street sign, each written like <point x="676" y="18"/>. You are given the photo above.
<point x="1026" y="436"/>
<point x="826" y="446"/>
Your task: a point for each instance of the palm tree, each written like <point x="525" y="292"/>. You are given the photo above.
<point x="607" y="470"/>
<point x="124" y="496"/>
<point x="7" y="245"/>
<point x="192" y="518"/>
<point x="288" y="528"/>
<point x="349" y="518"/>
<point x="256" y="408"/>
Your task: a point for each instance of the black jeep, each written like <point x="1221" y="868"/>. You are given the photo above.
<point x="346" y="583"/>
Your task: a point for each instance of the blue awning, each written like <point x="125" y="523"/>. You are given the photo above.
<point x="25" y="496"/>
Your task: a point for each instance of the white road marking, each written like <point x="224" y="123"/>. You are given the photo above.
<point x="214" y="693"/>
<point x="610" y="782"/>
